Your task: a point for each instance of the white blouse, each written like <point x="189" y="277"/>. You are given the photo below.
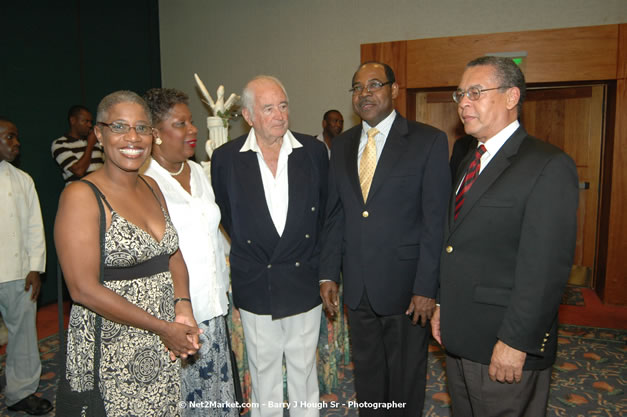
<point x="196" y="218"/>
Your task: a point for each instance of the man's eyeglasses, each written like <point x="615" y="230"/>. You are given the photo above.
<point x="117" y="127"/>
<point x="473" y="93"/>
<point x="371" y="87"/>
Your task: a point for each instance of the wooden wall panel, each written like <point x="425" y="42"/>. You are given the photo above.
<point x="392" y="53"/>
<point x="615" y="291"/>
<point x="621" y="71"/>
<point x="573" y="54"/>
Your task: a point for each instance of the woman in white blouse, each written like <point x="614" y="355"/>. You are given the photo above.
<point x="207" y="376"/>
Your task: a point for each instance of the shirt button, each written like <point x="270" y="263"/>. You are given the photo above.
<point x="449" y="249"/>
<point x="313" y="209"/>
<point x="297" y="264"/>
<point x="307" y="236"/>
<point x="365" y="214"/>
<point x="269" y="266"/>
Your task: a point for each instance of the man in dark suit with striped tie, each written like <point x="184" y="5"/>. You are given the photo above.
<point x="508" y="251"/>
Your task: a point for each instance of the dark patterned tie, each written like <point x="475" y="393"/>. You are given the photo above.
<point x="471" y="175"/>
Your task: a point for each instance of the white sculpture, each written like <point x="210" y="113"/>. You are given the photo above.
<point x="218" y="124"/>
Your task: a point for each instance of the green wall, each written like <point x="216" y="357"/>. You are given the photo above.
<point x="56" y="54"/>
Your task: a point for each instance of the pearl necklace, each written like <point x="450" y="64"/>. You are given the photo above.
<point x="174" y="174"/>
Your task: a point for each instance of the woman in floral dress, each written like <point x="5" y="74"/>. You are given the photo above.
<point x="138" y="320"/>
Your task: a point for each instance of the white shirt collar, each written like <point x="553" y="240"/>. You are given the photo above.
<point x="495" y="143"/>
<point x="289" y="142"/>
<point x="384" y="125"/>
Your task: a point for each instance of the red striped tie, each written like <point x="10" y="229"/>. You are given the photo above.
<point x="471" y="175"/>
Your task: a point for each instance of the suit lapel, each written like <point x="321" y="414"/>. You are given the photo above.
<point x="395" y="145"/>
<point x="299" y="172"/>
<point x="352" y="150"/>
<point x="495" y="168"/>
<point x="253" y="188"/>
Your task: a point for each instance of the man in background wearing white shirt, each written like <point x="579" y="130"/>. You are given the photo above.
<point x="332" y="126"/>
<point x="271" y="186"/>
<point x="22" y="258"/>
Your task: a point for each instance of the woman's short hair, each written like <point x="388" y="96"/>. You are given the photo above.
<point x="161" y="100"/>
<point x="117" y="97"/>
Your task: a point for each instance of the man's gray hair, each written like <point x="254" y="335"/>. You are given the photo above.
<point x="508" y="74"/>
<point x="117" y="97"/>
<point x="248" y="94"/>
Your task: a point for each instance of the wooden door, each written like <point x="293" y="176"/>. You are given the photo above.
<point x="570" y="118"/>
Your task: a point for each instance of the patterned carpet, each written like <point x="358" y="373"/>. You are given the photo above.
<point x="573" y="296"/>
<point x="589" y="377"/>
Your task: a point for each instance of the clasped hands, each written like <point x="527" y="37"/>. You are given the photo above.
<point x="181" y="337"/>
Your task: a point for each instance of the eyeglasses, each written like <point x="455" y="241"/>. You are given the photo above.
<point x="117" y="127"/>
<point x="473" y="93"/>
<point x="371" y="87"/>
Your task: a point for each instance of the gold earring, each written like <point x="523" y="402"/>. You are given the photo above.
<point x="158" y="141"/>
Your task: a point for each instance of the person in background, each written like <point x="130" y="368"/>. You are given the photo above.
<point x="332" y="125"/>
<point x="334" y="344"/>
<point x="78" y="153"/>
<point x="271" y="188"/>
<point x="143" y="302"/>
<point x="509" y="246"/>
<point x="196" y="217"/>
<point x="22" y="259"/>
<point x="389" y="183"/>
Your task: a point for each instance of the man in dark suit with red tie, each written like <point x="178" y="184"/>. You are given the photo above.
<point x="509" y="245"/>
<point x="389" y="182"/>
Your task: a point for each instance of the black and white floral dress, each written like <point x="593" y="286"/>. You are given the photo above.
<point x="136" y="375"/>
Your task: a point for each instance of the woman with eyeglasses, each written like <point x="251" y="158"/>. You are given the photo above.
<point x="206" y="376"/>
<point x="132" y="318"/>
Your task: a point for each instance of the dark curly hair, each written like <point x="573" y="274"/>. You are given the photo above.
<point x="161" y="100"/>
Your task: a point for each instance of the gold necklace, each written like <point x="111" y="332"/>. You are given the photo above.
<point x="174" y="174"/>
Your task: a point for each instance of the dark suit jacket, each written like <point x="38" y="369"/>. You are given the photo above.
<point x="508" y="255"/>
<point x="389" y="246"/>
<point x="461" y="148"/>
<point x="272" y="274"/>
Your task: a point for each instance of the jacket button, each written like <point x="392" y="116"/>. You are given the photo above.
<point x="449" y="249"/>
<point x="313" y="209"/>
<point x="542" y="350"/>
<point x="269" y="266"/>
<point x="249" y="242"/>
<point x="297" y="264"/>
<point x="365" y="214"/>
<point x="547" y="334"/>
<point x="307" y="236"/>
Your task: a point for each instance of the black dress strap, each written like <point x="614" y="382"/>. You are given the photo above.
<point x="98" y="193"/>
<point x="152" y="190"/>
